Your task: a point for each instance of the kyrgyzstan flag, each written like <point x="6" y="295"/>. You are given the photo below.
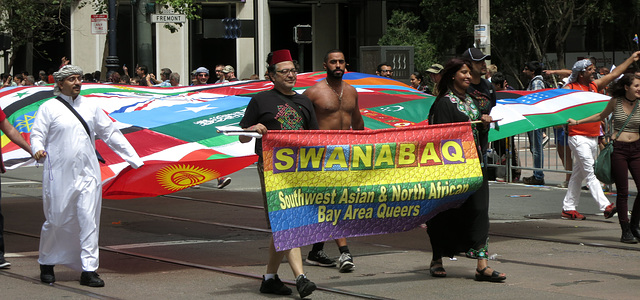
<point x="157" y="178"/>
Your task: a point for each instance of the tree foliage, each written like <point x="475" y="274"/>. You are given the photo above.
<point x="520" y="30"/>
<point x="402" y="31"/>
<point x="33" y="22"/>
<point x="186" y="7"/>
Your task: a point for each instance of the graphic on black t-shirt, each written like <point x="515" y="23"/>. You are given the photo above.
<point x="289" y="117"/>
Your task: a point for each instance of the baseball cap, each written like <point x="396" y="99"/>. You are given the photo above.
<point x="475" y="54"/>
<point x="228" y="69"/>
<point x="202" y="70"/>
<point x="435" y="68"/>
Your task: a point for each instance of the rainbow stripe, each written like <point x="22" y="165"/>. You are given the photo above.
<point x="330" y="184"/>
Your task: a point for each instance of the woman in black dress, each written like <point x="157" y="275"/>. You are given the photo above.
<point x="466" y="228"/>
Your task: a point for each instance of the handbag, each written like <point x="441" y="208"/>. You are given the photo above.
<point x="602" y="166"/>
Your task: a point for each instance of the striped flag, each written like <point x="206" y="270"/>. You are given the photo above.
<point x="539" y="109"/>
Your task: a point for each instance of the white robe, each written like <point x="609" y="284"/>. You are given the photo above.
<point x="71" y="182"/>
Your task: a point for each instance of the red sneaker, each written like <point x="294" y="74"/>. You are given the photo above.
<point x="610" y="211"/>
<point x="572" y="215"/>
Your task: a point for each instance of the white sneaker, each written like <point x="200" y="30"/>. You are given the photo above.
<point x="223" y="181"/>
<point x="4" y="264"/>
<point x="346" y="263"/>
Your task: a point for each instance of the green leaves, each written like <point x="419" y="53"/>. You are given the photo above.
<point x="402" y="31"/>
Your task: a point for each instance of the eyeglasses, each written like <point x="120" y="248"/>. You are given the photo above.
<point x="203" y="75"/>
<point x="285" y="72"/>
<point x="386" y="71"/>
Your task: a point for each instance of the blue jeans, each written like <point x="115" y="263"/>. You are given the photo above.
<point x="535" y="145"/>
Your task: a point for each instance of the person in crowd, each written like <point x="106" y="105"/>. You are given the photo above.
<point x="141" y="73"/>
<point x="491" y="70"/>
<point x="384" y="70"/>
<point x="533" y="71"/>
<point x="62" y="138"/>
<point x="28" y="81"/>
<point x="164" y="78"/>
<point x="583" y="140"/>
<point x="499" y="83"/>
<point x="88" y="78"/>
<point x="229" y="73"/>
<point x="174" y="79"/>
<point x="434" y="76"/>
<point x="97" y="75"/>
<point x="336" y="106"/>
<point x="219" y="75"/>
<point x="466" y="228"/>
<point x="626" y="150"/>
<point x="43" y="78"/>
<point x="263" y="113"/>
<point x="417" y="82"/>
<point x="113" y="77"/>
<point x="202" y="76"/>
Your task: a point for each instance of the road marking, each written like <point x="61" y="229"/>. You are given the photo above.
<point x="168" y="243"/>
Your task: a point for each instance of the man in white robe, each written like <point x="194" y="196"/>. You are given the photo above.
<point x="72" y="185"/>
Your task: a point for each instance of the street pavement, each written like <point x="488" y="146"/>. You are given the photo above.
<point x="206" y="243"/>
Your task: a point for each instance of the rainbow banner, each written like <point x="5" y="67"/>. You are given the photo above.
<point x="328" y="184"/>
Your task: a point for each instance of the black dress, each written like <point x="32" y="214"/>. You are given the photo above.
<point x="466" y="228"/>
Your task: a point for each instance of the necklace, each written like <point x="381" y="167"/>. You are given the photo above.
<point x="630" y="101"/>
<point x="334" y="91"/>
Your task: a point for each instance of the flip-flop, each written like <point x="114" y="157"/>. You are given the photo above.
<point x="494" y="277"/>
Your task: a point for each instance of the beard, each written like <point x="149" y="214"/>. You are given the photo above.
<point x="334" y="73"/>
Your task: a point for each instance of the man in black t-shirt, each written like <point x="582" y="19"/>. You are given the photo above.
<point x="280" y="109"/>
<point x="480" y="88"/>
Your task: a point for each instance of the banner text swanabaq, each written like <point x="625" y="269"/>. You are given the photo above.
<point x="367" y="156"/>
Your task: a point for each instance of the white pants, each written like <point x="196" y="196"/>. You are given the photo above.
<point x="584" y="149"/>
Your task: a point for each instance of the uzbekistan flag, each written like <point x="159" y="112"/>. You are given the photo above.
<point x="523" y="111"/>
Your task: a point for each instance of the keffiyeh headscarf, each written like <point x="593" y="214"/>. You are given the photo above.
<point x="578" y="67"/>
<point x="63" y="73"/>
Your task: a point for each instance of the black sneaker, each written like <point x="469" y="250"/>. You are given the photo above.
<point x="346" y="263"/>
<point x="533" y="180"/>
<point x="320" y="259"/>
<point x="305" y="286"/>
<point x="91" y="279"/>
<point x="274" y="286"/>
<point x="46" y="274"/>
<point x="4" y="264"/>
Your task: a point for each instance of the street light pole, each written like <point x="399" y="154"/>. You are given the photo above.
<point x="112" y="62"/>
<point x="484" y="18"/>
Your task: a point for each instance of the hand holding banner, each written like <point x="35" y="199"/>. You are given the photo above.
<point x="326" y="184"/>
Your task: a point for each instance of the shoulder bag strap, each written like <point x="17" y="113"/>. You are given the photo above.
<point x="84" y="124"/>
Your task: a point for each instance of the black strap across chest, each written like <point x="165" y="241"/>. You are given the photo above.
<point x="84" y="124"/>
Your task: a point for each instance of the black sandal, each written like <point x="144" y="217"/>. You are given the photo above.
<point x="437" y="271"/>
<point x="494" y="277"/>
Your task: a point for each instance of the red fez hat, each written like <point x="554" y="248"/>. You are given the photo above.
<point x="280" y="56"/>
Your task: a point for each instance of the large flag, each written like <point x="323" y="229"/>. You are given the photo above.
<point x="174" y="129"/>
<point x="323" y="185"/>
<point x="522" y="111"/>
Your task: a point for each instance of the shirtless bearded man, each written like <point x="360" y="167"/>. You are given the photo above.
<point x="336" y="106"/>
